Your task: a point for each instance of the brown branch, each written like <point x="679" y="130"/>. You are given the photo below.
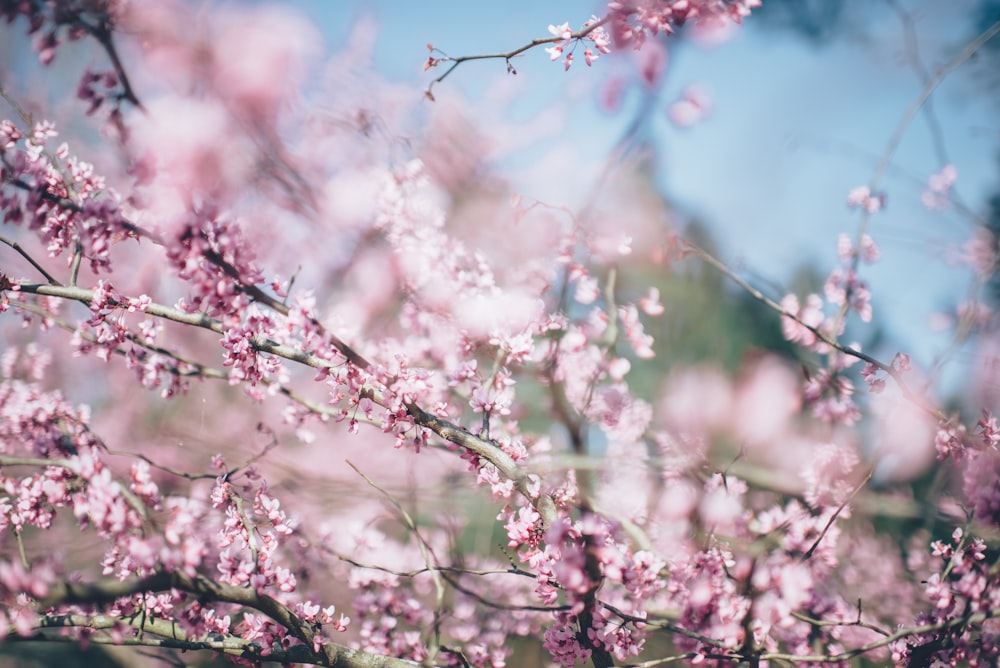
<point x="929" y="87"/>
<point x="908" y="393"/>
<point x="833" y="517"/>
<point x="491" y="453"/>
<point x="85" y="297"/>
<point x="664" y="661"/>
<point x="330" y="654"/>
<point x="104" y="35"/>
<point x="223" y="644"/>
<point x="450" y="432"/>
<point x="258" y="295"/>
<point x="486" y="449"/>
<point x="456" y="61"/>
<point x="448" y="570"/>
<point x="834" y="622"/>
<point x="500" y="606"/>
<point x="196" y="369"/>
<point x="665" y="625"/>
<point x="971" y="620"/>
<point x="23" y="253"/>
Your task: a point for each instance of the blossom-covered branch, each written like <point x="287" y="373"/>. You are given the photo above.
<point x="107" y="591"/>
<point x="381" y="303"/>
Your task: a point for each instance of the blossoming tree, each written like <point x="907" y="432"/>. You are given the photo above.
<point x="280" y="385"/>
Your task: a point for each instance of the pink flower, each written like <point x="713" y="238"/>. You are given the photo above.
<point x="524" y="528"/>
<point x="691" y="108"/>
<point x="981" y="252"/>
<point x="587" y="290"/>
<point x="561" y="31"/>
<point x="650" y="304"/>
<point x="863" y="197"/>
<point x="936" y="196"/>
<point x="809" y="316"/>
<point x="867" y="249"/>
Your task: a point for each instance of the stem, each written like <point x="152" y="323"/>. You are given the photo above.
<point x="821" y="335"/>
<point x="23" y="253"/>
<point x="455" y="62"/>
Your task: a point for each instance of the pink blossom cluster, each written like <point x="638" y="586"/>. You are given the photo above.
<point x="843" y="287"/>
<point x="962" y="580"/>
<point x="634" y="21"/>
<point x="830" y="389"/>
<point x="862" y="197"/>
<point x="876" y="378"/>
<point x="389" y="615"/>
<point x="593" y="32"/>
<point x="58" y="197"/>
<point x="936" y="195"/>
<point x="212" y="257"/>
<point x="250" y="544"/>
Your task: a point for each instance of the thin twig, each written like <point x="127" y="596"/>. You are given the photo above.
<point x="456" y="61"/>
<point x="909" y="394"/>
<point x="25" y="116"/>
<point x="103" y="33"/>
<point x="833" y="517"/>
<point x="430" y="560"/>
<point x="23" y="253"/>
<point x="904" y="122"/>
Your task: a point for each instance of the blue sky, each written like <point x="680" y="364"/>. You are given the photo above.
<point x="793" y="128"/>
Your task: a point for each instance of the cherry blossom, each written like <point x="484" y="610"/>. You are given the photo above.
<point x="864" y="198"/>
<point x="936" y="195"/>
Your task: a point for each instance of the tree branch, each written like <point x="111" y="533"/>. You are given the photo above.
<point x="820" y="334"/>
<point x="329" y="654"/>
<point x="23" y="253"/>
<point x="456" y="61"/>
<point x="446" y="430"/>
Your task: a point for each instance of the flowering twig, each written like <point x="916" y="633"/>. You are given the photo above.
<point x="458" y="60"/>
<point x="73" y="467"/>
<point x="39" y="268"/>
<point x="425" y="551"/>
<point x="103" y="33"/>
<point x="963" y="621"/>
<point x="931" y="82"/>
<point x="929" y="87"/>
<point x="166" y="635"/>
<point x="183" y="367"/>
<point x="834" y="515"/>
<point x="894" y="373"/>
